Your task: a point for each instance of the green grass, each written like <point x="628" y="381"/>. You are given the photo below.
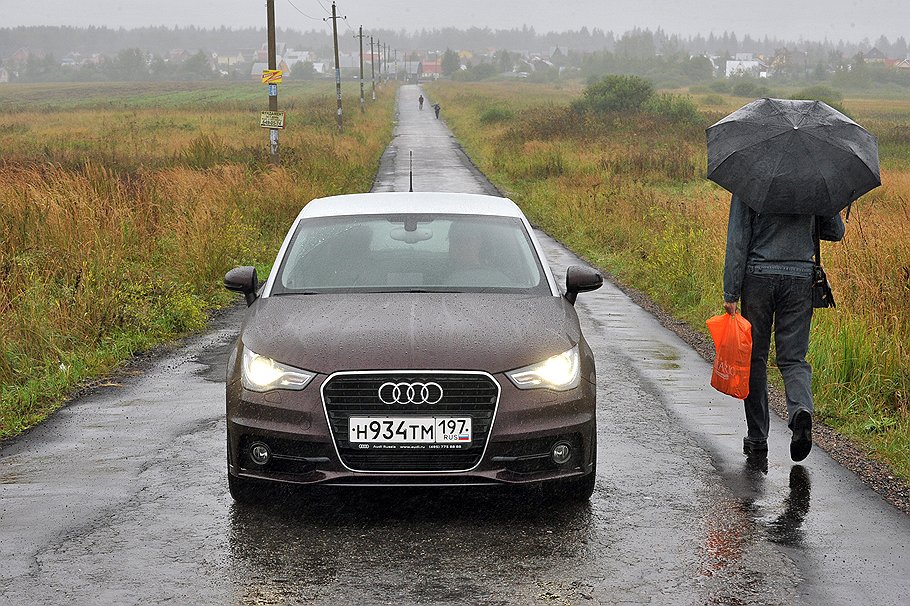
<point x="119" y="219"/>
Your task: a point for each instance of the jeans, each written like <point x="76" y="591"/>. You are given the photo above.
<point x="785" y="302"/>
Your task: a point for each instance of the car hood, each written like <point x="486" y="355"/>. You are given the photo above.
<point x="458" y="331"/>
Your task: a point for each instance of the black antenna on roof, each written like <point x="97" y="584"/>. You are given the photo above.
<point x="411" y="171"/>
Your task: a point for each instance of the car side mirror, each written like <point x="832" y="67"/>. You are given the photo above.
<point x="244" y="280"/>
<point x="581" y="279"/>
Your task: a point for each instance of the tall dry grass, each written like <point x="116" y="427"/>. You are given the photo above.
<point x="106" y="251"/>
<point x="628" y="193"/>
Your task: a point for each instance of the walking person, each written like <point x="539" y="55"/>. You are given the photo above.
<point x="436" y="109"/>
<point x="768" y="268"/>
<point x="420" y="102"/>
<point x="792" y="166"/>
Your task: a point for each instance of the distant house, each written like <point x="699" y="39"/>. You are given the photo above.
<point x="349" y="60"/>
<point x="905" y="64"/>
<point x="230" y="58"/>
<point x="875" y="56"/>
<point x="262" y="54"/>
<point x="178" y="55"/>
<point x="4" y="75"/>
<point x="297" y="56"/>
<point x="71" y="59"/>
<point x="430" y="69"/>
<point x="257" y="69"/>
<point x="753" y="68"/>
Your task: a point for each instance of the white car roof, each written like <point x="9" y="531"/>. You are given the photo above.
<point x="409" y="202"/>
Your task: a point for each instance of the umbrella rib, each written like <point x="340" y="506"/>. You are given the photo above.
<point x="838" y="145"/>
<point x="773" y="103"/>
<point x="805" y="114"/>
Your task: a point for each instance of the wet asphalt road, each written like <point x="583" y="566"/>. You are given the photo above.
<point x="120" y="498"/>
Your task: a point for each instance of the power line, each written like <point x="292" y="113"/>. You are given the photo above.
<point x="303" y="13"/>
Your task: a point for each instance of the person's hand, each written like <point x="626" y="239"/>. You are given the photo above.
<point x="730" y="307"/>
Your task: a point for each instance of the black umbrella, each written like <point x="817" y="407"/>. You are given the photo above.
<point x="793" y="157"/>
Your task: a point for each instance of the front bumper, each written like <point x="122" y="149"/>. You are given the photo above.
<point x="528" y="423"/>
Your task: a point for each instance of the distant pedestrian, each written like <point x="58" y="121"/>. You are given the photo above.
<point x="769" y="265"/>
<point x="436" y="109"/>
<point x="420" y="102"/>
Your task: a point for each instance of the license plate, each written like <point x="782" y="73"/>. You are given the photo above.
<point x="410" y="430"/>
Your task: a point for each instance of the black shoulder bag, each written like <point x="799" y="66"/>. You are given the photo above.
<point x="821" y="288"/>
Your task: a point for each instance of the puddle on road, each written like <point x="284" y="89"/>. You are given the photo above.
<point x="214" y="359"/>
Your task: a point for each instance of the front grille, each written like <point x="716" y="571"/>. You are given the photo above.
<point x="472" y="395"/>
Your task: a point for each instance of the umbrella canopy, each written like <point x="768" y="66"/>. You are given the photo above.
<point x="793" y="157"/>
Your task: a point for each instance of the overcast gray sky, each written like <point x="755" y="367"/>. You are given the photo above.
<point x="850" y="20"/>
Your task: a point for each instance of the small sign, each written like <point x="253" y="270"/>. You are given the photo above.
<point x="270" y="119"/>
<point x="271" y="76"/>
<point x="273" y="90"/>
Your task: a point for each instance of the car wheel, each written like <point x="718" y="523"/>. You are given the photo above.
<point x="243" y="490"/>
<point x="579" y="489"/>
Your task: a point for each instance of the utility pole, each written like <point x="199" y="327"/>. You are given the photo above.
<point x="396" y="63"/>
<point x="334" y="19"/>
<point x="373" y="67"/>
<point x="379" y="59"/>
<point x="360" y="35"/>
<point x="385" y="57"/>
<point x="273" y="99"/>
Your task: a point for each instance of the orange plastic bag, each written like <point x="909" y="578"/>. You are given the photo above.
<point x="733" y="342"/>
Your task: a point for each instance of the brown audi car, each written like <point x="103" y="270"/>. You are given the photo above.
<point x="411" y="339"/>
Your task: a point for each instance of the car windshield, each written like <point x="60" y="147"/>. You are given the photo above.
<point x="410" y="253"/>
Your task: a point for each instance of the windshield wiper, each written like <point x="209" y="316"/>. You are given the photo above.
<point x="416" y="290"/>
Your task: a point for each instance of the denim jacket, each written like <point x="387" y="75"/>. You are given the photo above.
<point x="771" y="244"/>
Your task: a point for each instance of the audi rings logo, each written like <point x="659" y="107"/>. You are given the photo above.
<point x="410" y="393"/>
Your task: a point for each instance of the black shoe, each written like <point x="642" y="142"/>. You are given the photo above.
<point x="755" y="447"/>
<point x="801" y="442"/>
<point x="756" y="451"/>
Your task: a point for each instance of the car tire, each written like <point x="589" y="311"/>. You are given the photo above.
<point x="581" y="489"/>
<point x="245" y="491"/>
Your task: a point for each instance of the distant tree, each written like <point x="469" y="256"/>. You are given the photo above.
<point x="129" y="65"/>
<point x="504" y="61"/>
<point x="197" y="67"/>
<point x="636" y="45"/>
<point x="450" y="62"/>
<point x="303" y="70"/>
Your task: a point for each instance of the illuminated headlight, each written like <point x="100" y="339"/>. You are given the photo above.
<point x="561" y="372"/>
<point x="263" y="374"/>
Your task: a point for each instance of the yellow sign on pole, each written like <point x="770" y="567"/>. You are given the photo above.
<point x="271" y="76"/>
<point x="270" y="119"/>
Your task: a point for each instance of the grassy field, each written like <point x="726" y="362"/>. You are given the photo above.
<point x="629" y="193"/>
<point x="121" y="207"/>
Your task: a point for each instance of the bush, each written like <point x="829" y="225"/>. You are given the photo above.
<point x="748" y="88"/>
<point x="616" y="93"/>
<point x="492" y="115"/>
<point x="822" y="93"/>
<point x="712" y="100"/>
<point x="720" y="86"/>
<point x="475" y="73"/>
<point x="674" y="107"/>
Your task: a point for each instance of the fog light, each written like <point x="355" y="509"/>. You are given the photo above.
<point x="561" y="453"/>
<point x="260" y="453"/>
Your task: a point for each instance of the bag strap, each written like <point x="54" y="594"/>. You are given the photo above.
<point x="818" y="247"/>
